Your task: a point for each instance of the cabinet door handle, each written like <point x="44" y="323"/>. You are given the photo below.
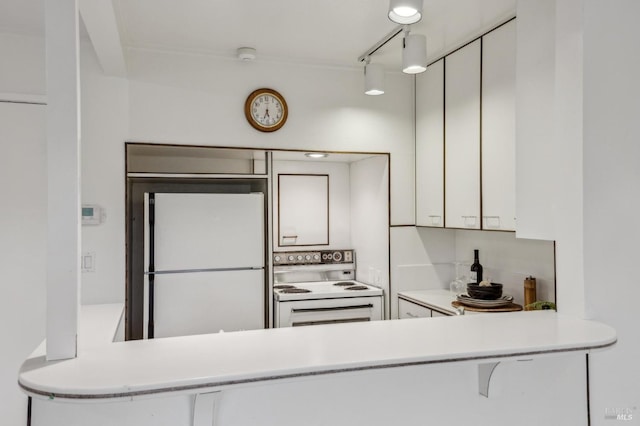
<point x="492" y="222"/>
<point x="435" y="220"/>
<point x="470" y="221"/>
<point x="332" y="308"/>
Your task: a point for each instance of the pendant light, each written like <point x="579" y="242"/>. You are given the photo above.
<point x="373" y="79"/>
<point x="405" y="11"/>
<point x="414" y="54"/>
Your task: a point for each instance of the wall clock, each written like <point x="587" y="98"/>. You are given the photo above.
<point x="266" y="110"/>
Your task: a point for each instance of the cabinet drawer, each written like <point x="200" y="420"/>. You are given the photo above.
<point x="407" y="309"/>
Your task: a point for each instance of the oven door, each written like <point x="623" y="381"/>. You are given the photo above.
<point x="328" y="311"/>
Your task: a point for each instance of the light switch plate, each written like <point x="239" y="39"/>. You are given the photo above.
<point x="88" y="262"/>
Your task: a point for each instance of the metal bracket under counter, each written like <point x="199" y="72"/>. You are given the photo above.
<point x="205" y="409"/>
<point x="484" y="377"/>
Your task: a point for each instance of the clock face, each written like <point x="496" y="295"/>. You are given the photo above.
<point x="266" y="110"/>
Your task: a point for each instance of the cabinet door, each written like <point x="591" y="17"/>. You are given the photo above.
<point x="462" y="137"/>
<point x="408" y="309"/>
<point x="498" y="128"/>
<point x="303" y="210"/>
<point x="430" y="146"/>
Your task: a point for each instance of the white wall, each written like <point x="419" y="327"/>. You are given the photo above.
<point x="421" y="259"/>
<point x="23" y="215"/>
<point x="594" y="176"/>
<point x="194" y="99"/>
<point x="611" y="199"/>
<point x="23" y="228"/>
<point x="370" y="221"/>
<point x="22" y="71"/>
<point x="104" y="130"/>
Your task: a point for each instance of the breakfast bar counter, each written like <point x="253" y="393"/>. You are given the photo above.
<point x="107" y="370"/>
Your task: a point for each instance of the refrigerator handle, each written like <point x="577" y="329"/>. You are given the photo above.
<point x="151" y="324"/>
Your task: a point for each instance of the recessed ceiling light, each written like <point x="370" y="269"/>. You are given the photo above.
<point x="316" y="154"/>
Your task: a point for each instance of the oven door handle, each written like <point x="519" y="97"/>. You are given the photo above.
<point x="332" y="308"/>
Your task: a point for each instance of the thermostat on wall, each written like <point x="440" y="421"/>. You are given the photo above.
<point x="92" y="214"/>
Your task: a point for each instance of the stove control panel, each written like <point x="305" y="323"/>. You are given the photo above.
<point x="315" y="257"/>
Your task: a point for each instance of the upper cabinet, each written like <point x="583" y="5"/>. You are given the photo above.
<point x="430" y="146"/>
<point x="462" y="137"/>
<point x="303" y="210"/>
<point x="465" y="136"/>
<point x="498" y="128"/>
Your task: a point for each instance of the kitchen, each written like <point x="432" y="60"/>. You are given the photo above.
<point x="137" y="109"/>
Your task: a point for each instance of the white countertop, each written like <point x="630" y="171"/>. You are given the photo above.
<point x="104" y="369"/>
<point x="438" y="299"/>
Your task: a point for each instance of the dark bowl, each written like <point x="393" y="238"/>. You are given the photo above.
<point x="477" y="291"/>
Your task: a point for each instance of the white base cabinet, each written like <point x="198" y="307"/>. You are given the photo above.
<point x="407" y="309"/>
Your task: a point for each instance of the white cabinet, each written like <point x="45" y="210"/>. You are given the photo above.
<point x="408" y="309"/>
<point x="498" y="128"/>
<point x="467" y="100"/>
<point x="303" y="210"/>
<point x="430" y="146"/>
<point x="462" y="140"/>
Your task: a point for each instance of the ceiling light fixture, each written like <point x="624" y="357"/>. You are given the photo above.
<point x="246" y="53"/>
<point x="405" y="11"/>
<point x="373" y="79"/>
<point x="316" y="154"/>
<point x="414" y="53"/>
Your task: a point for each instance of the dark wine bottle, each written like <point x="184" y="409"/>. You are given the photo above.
<point x="476" y="269"/>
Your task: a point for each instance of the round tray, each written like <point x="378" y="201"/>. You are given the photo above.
<point x="511" y="307"/>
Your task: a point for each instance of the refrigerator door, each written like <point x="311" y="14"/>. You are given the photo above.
<point x="208" y="302"/>
<point x="208" y="231"/>
<point x="207" y="251"/>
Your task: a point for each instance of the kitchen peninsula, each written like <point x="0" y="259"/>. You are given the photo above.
<point x="291" y="375"/>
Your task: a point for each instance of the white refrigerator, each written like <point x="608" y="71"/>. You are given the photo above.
<point x="205" y="263"/>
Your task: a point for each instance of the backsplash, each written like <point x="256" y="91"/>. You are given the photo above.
<point x="509" y="260"/>
<point x="425" y="258"/>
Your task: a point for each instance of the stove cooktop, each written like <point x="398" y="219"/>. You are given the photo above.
<point x="325" y="290"/>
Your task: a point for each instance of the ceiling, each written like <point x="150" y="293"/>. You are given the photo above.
<point x="326" y="33"/>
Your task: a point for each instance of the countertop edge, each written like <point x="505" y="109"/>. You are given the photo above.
<point x="37" y="380"/>
<point x="226" y="383"/>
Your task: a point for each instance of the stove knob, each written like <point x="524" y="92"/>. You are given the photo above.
<point x="337" y="256"/>
<point x="299" y="258"/>
<point x="316" y="256"/>
<point x="307" y="257"/>
<point x="290" y="258"/>
<point x="277" y="258"/>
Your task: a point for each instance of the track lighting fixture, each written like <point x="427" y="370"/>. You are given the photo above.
<point x="405" y="11"/>
<point x="373" y="79"/>
<point x="414" y="53"/>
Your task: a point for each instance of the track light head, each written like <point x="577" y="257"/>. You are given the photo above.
<point x="414" y="54"/>
<point x="373" y="79"/>
<point x="405" y="11"/>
